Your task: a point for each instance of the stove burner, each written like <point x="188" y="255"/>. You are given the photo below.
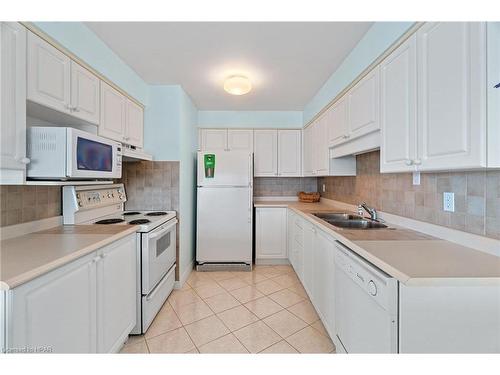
<point x="139" y="221"/>
<point x="109" y="221"/>
<point x="131" y="213"/>
<point x="157" y="213"/>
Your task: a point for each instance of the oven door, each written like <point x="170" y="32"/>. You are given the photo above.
<point x="158" y="254"/>
<point x="91" y="156"/>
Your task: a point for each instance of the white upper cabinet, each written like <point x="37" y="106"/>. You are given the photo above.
<point x="213" y="139"/>
<point x="49" y="75"/>
<point x="364" y="106"/>
<point x="318" y="148"/>
<point x="113" y="113"/>
<point x="307" y="151"/>
<point x="84" y="94"/>
<point x="493" y="80"/>
<point x="338" y="121"/>
<point x="12" y="103"/>
<point x="451" y="60"/>
<point x="134" y="124"/>
<point x="398" y="106"/>
<point x="289" y="154"/>
<point x="240" y="140"/>
<point x="265" y="153"/>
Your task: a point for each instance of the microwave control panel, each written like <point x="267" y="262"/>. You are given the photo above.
<point x="97" y="198"/>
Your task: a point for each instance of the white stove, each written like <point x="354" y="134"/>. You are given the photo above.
<point x="156" y="240"/>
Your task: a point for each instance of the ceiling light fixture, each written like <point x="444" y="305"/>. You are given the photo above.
<point x="237" y="85"/>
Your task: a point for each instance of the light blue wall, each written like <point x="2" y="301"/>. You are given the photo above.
<point x="250" y="119"/>
<point x="84" y="43"/>
<point x="378" y="38"/>
<point x="187" y="184"/>
<point x="162" y="122"/>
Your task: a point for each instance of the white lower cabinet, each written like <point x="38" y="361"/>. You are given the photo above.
<point x="308" y="257"/>
<point x="323" y="291"/>
<point x="271" y="234"/>
<point x="116" y="295"/>
<point x="86" y="306"/>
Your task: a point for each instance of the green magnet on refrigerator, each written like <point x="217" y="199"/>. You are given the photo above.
<point x="209" y="165"/>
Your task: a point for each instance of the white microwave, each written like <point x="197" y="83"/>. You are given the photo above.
<point x="61" y="153"/>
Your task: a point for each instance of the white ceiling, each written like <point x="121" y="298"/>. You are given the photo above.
<point x="286" y="62"/>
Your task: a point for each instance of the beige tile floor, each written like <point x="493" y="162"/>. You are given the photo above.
<point x="263" y="311"/>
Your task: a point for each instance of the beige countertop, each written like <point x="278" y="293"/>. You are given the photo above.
<point x="411" y="257"/>
<point x="26" y="257"/>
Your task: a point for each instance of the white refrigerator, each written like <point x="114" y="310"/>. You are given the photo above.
<point x="224" y="208"/>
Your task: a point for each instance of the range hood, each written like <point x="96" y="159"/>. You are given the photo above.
<point x="131" y="153"/>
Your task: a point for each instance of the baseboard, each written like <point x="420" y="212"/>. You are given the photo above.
<point x="271" y="262"/>
<point x="184" y="276"/>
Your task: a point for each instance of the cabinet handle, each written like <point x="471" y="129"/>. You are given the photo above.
<point x="23" y="160"/>
<point x="96" y="259"/>
<point x="417" y="162"/>
<point x="75" y="109"/>
<point x="408" y="162"/>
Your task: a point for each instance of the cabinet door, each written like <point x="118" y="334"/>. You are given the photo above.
<point x="12" y="103"/>
<point x="290" y="245"/>
<point x="398" y="96"/>
<point x="323" y="295"/>
<point x="451" y="95"/>
<point x="308" y="257"/>
<point x="116" y="294"/>
<point x="289" y="153"/>
<point x="134" y="128"/>
<point x="337" y="123"/>
<point x="320" y="147"/>
<point x="57" y="311"/>
<point x="84" y="94"/>
<point x="49" y="75"/>
<point x="240" y="140"/>
<point x="265" y="153"/>
<point x="213" y="139"/>
<point x="364" y="106"/>
<point x="270" y="233"/>
<point x="307" y="151"/>
<point x="113" y="108"/>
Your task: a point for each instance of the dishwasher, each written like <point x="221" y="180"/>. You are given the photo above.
<point x="366" y="305"/>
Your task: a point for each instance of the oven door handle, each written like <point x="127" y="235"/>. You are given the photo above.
<point x="164" y="230"/>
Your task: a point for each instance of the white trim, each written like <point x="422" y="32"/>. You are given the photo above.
<point x="184" y="276"/>
<point x="474" y="241"/>
<point x="30" y="227"/>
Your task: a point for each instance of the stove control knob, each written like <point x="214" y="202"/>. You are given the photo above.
<point x="109" y="195"/>
<point x="372" y="288"/>
<point x="79" y="203"/>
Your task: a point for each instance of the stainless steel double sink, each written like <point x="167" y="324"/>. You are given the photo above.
<point x="350" y="221"/>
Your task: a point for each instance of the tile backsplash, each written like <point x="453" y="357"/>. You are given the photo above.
<point x="20" y="204"/>
<point x="151" y="185"/>
<point x="477" y="195"/>
<point x="283" y="186"/>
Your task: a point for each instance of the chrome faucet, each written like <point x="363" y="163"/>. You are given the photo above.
<point x="371" y="211"/>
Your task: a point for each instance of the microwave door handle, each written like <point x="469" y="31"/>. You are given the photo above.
<point x="166" y="229"/>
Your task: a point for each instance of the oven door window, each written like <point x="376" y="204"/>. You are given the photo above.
<point x="93" y="156"/>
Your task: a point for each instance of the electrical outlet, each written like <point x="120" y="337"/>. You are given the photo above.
<point x="416" y="178"/>
<point x="449" y="202"/>
<point x="324" y="188"/>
